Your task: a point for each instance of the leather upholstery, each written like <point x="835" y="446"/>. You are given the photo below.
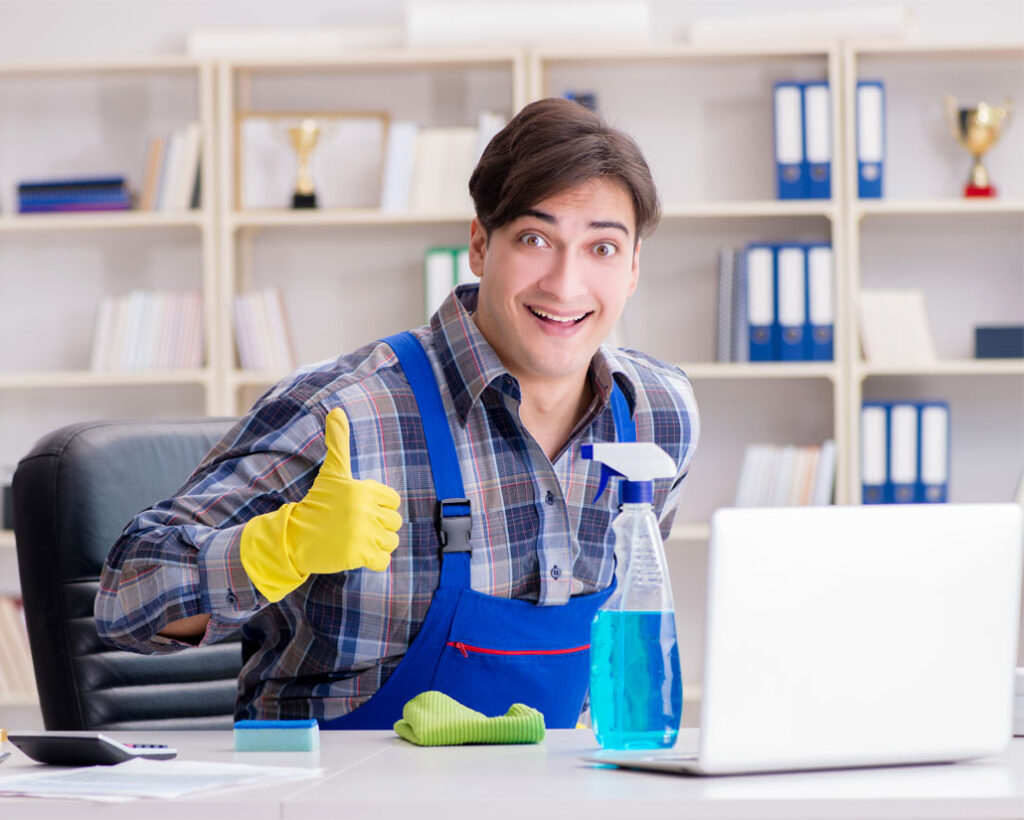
<point x="73" y="494"/>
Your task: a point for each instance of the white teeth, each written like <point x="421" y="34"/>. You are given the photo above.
<point x="564" y="319"/>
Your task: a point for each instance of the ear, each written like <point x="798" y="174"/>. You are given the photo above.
<point x="477" y="247"/>
<point x="634" y="271"/>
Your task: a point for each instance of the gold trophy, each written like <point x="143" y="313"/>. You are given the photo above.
<point x="977" y="129"/>
<point x="304" y="136"/>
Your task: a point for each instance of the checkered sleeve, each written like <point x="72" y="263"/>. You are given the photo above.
<point x="180" y="557"/>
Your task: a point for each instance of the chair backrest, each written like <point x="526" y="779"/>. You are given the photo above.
<point x="73" y="494"/>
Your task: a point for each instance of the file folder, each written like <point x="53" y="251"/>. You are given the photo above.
<point x="761" y="325"/>
<point x="820" y="302"/>
<point x="817" y="140"/>
<point x="791" y="287"/>
<point x="934" y="423"/>
<point x="870" y="138"/>
<point x="789" y="141"/>
<point x="438" y="277"/>
<point x="903" y="453"/>
<point x="874" y="452"/>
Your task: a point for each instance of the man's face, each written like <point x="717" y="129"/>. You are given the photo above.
<point x="554" y="282"/>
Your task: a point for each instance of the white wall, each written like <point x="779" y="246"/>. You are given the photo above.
<point x="47" y="29"/>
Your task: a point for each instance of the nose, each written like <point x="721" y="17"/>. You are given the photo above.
<point x="565" y="277"/>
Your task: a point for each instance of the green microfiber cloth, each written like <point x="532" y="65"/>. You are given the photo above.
<point x="434" y="719"/>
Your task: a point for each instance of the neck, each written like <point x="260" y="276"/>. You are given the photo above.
<point x="551" y="411"/>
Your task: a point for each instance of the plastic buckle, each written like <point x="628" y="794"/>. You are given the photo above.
<point x="453" y="528"/>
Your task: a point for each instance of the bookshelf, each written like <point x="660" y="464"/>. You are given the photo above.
<point x="964" y="254"/>
<point x="68" y="119"/>
<point x="704" y="119"/>
<point x="374" y="283"/>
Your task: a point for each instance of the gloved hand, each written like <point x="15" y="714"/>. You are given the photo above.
<point x="341" y="524"/>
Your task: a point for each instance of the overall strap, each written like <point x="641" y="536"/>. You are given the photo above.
<point x="452" y="511"/>
<point x="625" y="427"/>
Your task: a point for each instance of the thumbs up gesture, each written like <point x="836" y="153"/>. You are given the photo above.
<point x="342" y="524"/>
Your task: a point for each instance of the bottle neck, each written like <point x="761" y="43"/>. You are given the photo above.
<point x="636" y="492"/>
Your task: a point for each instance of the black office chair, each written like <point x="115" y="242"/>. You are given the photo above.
<point x="73" y="494"/>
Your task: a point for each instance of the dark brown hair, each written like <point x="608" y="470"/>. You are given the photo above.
<point x="552" y="146"/>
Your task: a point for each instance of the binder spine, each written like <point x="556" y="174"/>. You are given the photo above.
<point x="761" y="323"/>
<point x="874" y="461"/>
<point x="789" y="142"/>
<point x="820" y="302"/>
<point x="818" y="140"/>
<point x="870" y="138"/>
<point x="935" y="449"/>
<point x="904" y="453"/>
<point x="791" y="296"/>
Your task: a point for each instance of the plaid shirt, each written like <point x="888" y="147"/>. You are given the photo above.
<point x="537" y="534"/>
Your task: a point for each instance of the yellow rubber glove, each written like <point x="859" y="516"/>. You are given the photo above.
<point x="342" y="523"/>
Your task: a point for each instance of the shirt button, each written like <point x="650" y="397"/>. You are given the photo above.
<point x="232" y="598"/>
<point x="556" y="573"/>
<point x="549" y="497"/>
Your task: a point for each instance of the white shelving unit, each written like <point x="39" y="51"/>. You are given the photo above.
<point x="374" y="284"/>
<point x="81" y="119"/>
<point x="704" y="119"/>
<point x="965" y="254"/>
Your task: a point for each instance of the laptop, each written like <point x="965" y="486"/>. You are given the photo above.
<point x="854" y="636"/>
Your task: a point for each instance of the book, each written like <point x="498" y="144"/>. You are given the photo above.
<point x="894" y="327"/>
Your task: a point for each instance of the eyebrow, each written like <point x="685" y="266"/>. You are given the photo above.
<point x="543" y="216"/>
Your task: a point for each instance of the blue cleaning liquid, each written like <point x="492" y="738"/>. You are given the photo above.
<point x="636" y="689"/>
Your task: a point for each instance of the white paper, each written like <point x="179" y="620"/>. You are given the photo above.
<point x="145" y="778"/>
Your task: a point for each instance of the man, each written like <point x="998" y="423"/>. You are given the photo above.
<point x="415" y="515"/>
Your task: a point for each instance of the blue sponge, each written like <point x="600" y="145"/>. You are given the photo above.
<point x="277" y="736"/>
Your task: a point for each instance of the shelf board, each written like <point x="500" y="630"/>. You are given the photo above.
<point x="342" y="216"/>
<point x="928" y="207"/>
<point x="89" y="378"/>
<point x="286" y="218"/>
<point x="760" y="370"/>
<point x="99" y="220"/>
<point x="750" y="208"/>
<point x="101" y="66"/>
<point x="947" y="367"/>
<point x="256" y="378"/>
<point x="689" y="532"/>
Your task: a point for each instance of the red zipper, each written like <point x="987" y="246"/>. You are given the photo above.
<point x="465" y="649"/>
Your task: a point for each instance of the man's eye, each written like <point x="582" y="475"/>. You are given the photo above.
<point x="532" y="240"/>
<point x="605" y="249"/>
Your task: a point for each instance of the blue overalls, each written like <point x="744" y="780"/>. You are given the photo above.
<point x="484" y="651"/>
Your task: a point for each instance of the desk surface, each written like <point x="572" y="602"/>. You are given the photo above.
<point x="377" y="775"/>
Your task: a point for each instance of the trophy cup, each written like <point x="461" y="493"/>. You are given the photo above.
<point x="304" y="137"/>
<point x="977" y="129"/>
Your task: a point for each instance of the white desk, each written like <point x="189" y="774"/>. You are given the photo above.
<point x="377" y="775"/>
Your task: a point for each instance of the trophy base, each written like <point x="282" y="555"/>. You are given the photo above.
<point x="303" y="200"/>
<point x="979" y="190"/>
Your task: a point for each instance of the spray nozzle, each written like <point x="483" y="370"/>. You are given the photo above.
<point x="639" y="463"/>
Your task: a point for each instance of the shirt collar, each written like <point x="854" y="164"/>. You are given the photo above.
<point x="470" y="364"/>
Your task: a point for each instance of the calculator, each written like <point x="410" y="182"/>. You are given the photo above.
<point x="85" y="748"/>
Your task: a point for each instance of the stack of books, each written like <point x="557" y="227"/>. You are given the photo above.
<point x="149" y="330"/>
<point x="428" y="169"/>
<point x="443" y="269"/>
<point x="74" y="194"/>
<point x="171" y="181"/>
<point x="787" y="476"/>
<point x="17" y="679"/>
<point x="262" y="335"/>
<point x="776" y="303"/>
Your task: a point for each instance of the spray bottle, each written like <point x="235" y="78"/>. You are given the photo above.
<point x="636" y="689"/>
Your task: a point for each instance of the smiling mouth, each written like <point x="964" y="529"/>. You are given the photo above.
<point x="561" y="320"/>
